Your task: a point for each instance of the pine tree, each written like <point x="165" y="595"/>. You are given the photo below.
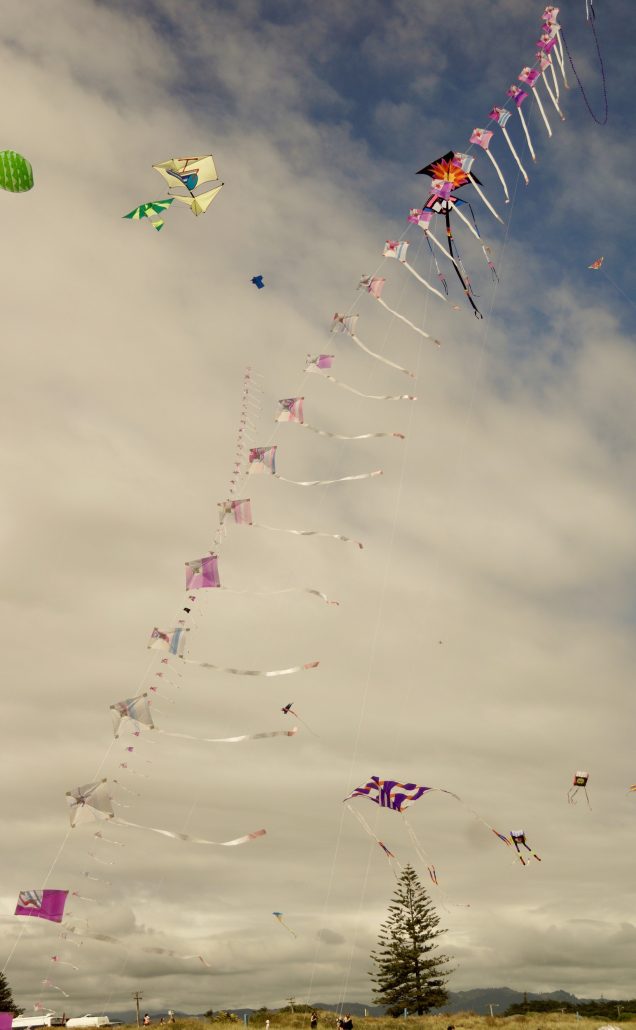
<point x="7" y="1003"/>
<point x="407" y="975"/>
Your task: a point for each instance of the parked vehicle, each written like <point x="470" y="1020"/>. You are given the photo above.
<point x="88" y="1020"/>
<point x="33" y="1022"/>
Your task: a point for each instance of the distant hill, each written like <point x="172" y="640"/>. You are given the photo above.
<point x="477" y="1000"/>
<point x="480" y="999"/>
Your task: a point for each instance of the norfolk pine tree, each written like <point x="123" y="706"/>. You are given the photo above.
<point x="407" y="974"/>
<point x="7" y="1003"/>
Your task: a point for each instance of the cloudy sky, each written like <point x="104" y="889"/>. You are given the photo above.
<point x="484" y="637"/>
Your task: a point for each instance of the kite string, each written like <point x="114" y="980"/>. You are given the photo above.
<point x="604" y="119"/>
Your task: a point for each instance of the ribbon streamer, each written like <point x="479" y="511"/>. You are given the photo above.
<point x="196" y="840"/>
<point x="252" y="672"/>
<point x="340" y="436"/>
<point x="232" y="740"/>
<point x="423" y="281"/>
<point x="328" y="482"/>
<point x="376" y="396"/>
<point x="309" y="532"/>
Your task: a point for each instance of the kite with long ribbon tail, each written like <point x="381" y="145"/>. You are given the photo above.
<point x="347" y="324"/>
<point x="398" y="796"/>
<point x="288" y="710"/>
<point x="482" y="138"/>
<point x="138" y="709"/>
<point x="279" y="916"/>
<point x="579" y="782"/>
<point x="106" y="938"/>
<point x="240" y="510"/>
<point x="291" y="410"/>
<point x="92" y="802"/>
<point x="203" y="573"/>
<point x="54" y="987"/>
<point x="321" y="361"/>
<point x="502" y="116"/>
<point x="262" y="461"/>
<point x="398" y="249"/>
<point x="530" y="77"/>
<point x="61" y="962"/>
<point x="374" y="284"/>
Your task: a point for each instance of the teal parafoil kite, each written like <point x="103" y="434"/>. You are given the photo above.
<point x="16" y="174"/>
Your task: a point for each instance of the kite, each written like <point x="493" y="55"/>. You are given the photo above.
<point x="596" y="264"/>
<point x="258" y="282"/>
<point x="188" y="173"/>
<point x="107" y="939"/>
<point x="348" y="324"/>
<point x="241" y="512"/>
<point x="61" y="962"/>
<point x="288" y="710"/>
<point x="202" y="573"/>
<point x="279" y="916"/>
<point x="448" y="174"/>
<point x="397" y="249"/>
<point x="374" y="285"/>
<point x="172" y="640"/>
<point x="44" y="904"/>
<point x="135" y="708"/>
<point x="579" y="783"/>
<point x="149" y="210"/>
<point x="291" y="410"/>
<point x="138" y="708"/>
<point x="262" y="460"/>
<point x="391" y="794"/>
<point x="501" y="116"/>
<point x="530" y="77"/>
<point x="319" y="363"/>
<point x="482" y="138"/>
<point x="398" y="797"/>
<point x="92" y="801"/>
<point x="49" y="983"/>
<point x="16" y="174"/>
<point x="518" y="838"/>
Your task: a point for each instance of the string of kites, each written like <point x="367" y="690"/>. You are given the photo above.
<point x="93" y="801"/>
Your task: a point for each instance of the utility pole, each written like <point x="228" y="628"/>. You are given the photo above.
<point x="137" y="998"/>
<point x="492" y="1006"/>
<point x="292" y="1002"/>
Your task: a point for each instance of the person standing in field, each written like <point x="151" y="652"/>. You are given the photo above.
<point x="313" y="1022"/>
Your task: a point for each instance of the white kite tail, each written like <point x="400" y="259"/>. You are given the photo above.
<point x="514" y="153"/>
<point x="340" y="436"/>
<point x="560" y="56"/>
<point x="416" y="328"/>
<point x="535" y="93"/>
<point x="460" y="214"/>
<point x="196" y="840"/>
<point x="528" y="141"/>
<point x="309" y="532"/>
<point x="484" y="198"/>
<point x="423" y="281"/>
<point x="500" y="174"/>
<point x="252" y="672"/>
<point x="551" y="94"/>
<point x="328" y="482"/>
<point x="380" y="357"/>
<point x="232" y="740"/>
<point x="286" y="590"/>
<point x="372" y="396"/>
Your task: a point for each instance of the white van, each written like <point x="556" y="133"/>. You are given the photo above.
<point x="32" y="1022"/>
<point x="88" y="1020"/>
